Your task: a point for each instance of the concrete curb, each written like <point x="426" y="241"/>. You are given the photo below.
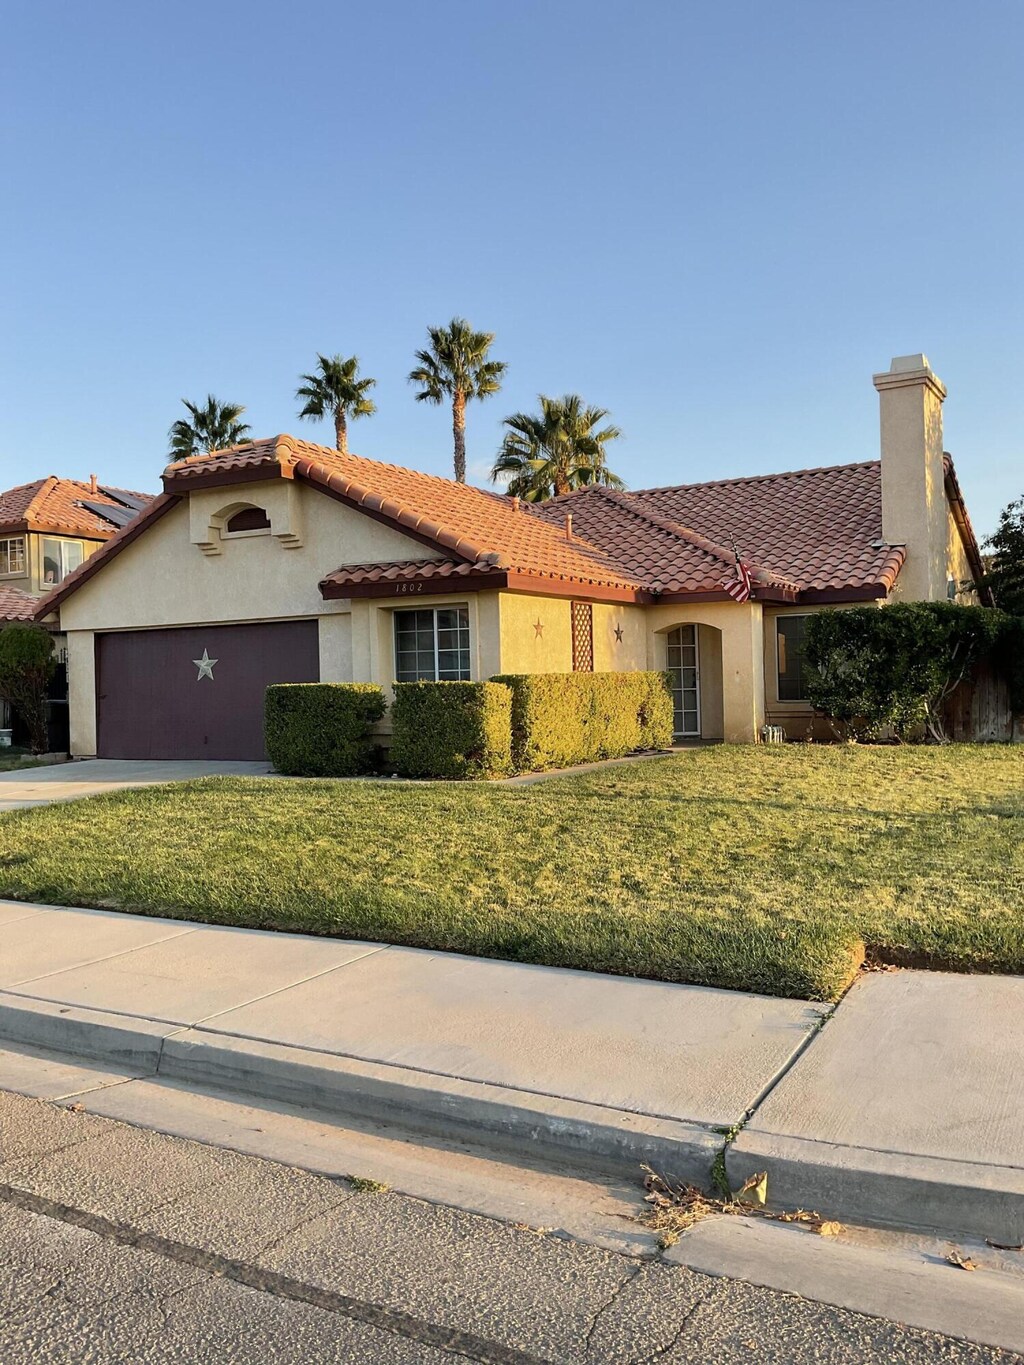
<point x="119" y="1040"/>
<point x="441" y="1105"/>
<point x="492" y="1116"/>
<point x="887" y="1189"/>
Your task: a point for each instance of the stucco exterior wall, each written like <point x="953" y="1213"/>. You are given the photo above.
<point x="738" y="630"/>
<point x="165" y="579"/>
<point x="958" y="567"/>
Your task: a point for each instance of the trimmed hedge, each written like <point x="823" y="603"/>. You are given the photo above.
<point x="559" y="719"/>
<point x="322" y="729"/>
<point x="452" y="729"/>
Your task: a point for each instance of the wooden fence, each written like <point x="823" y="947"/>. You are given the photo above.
<point x="979" y="711"/>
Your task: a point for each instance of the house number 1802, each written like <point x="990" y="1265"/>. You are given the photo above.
<point x="408" y="587"/>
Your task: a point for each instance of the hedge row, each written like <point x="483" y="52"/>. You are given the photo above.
<point x="322" y="729"/>
<point x="519" y="722"/>
<point x="559" y="719"/>
<point x="452" y="729"/>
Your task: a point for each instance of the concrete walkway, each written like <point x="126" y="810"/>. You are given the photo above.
<point x="905" y="1108"/>
<point x="93" y="776"/>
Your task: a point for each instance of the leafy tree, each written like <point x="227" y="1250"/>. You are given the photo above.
<point x="338" y="391"/>
<point x="26" y="667"/>
<point x="561" y="448"/>
<point x="873" y="670"/>
<point x="1006" y="572"/>
<point x="456" y="367"/>
<point x="214" y="427"/>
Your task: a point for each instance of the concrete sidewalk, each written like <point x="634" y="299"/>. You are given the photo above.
<point x="905" y="1109"/>
<point x="619" y="1070"/>
<point x="22" y="788"/>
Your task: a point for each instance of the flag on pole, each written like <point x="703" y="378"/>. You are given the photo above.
<point x="740" y="589"/>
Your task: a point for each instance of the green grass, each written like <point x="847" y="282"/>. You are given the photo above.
<point x="10" y="762"/>
<point x="765" y="869"/>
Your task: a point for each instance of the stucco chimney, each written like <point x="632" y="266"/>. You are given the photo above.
<point x="568" y="526"/>
<point x="93" y="488"/>
<point x="914" y="510"/>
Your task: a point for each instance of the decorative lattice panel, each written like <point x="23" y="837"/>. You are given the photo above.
<point x="582" y="637"/>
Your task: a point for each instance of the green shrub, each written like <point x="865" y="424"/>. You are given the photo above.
<point x="452" y="729"/>
<point x="559" y="719"/>
<point x="322" y="729"/>
<point x="877" y="669"/>
<point x="26" y="667"/>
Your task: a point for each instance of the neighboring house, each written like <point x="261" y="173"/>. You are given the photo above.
<point x="51" y="526"/>
<point x="284" y="561"/>
<point x="47" y="529"/>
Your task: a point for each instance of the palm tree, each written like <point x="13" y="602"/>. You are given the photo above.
<point x="337" y="390"/>
<point x="555" y="451"/>
<point x="456" y="367"/>
<point x="212" y="428"/>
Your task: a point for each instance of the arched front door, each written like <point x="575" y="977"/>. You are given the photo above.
<point x="684" y="669"/>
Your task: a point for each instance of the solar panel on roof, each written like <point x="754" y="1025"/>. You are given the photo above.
<point x="117" y="516"/>
<point x="125" y="499"/>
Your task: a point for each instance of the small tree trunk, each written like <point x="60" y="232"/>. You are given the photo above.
<point x="459" y="432"/>
<point x="341" y="432"/>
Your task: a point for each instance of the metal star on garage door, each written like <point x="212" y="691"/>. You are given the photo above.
<point x="205" y="666"/>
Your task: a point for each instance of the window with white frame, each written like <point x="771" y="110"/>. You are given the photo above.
<point x="432" y="645"/>
<point x="59" y="558"/>
<point x="12" y="555"/>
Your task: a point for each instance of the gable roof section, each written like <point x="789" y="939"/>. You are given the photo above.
<point x="486" y="531"/>
<point x="60" y="506"/>
<point x="817" y="531"/>
<point x="671" y="559"/>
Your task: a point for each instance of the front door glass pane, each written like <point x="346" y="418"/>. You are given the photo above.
<point x="684" y="668"/>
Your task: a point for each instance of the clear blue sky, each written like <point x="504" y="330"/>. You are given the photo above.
<point x="715" y="220"/>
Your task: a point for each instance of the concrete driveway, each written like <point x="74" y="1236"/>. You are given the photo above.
<point x="91" y="776"/>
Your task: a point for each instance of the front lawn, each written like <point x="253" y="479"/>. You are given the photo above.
<point x="764" y="869"/>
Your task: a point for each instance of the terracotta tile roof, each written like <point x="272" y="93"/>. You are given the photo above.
<point x="407" y="571"/>
<point x="667" y="557"/>
<point x="16" y="605"/>
<point x="54" y="504"/>
<point x="816" y="529"/>
<point x="478" y="527"/>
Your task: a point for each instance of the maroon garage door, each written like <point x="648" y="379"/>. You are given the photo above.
<point x="197" y="692"/>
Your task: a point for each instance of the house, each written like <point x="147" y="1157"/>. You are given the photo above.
<point x="47" y="529"/>
<point x="282" y="561"/>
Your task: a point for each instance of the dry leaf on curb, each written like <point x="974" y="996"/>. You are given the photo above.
<point x="827" y="1228"/>
<point x="754" y="1190"/>
<point x="961" y="1262"/>
<point x="75" y="1108"/>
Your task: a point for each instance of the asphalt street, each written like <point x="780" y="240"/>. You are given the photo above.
<point x="118" y="1244"/>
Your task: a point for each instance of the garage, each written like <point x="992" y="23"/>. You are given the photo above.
<point x="196" y="692"/>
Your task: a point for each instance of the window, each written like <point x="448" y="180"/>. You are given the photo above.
<point x="12" y="555"/>
<point x="582" y="637"/>
<point x="684" y="670"/>
<point x="432" y="645"/>
<point x="59" y="558"/>
<point x="790" y="635"/>
<point x="248" y="519"/>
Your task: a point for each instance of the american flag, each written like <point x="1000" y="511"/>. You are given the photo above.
<point x="739" y="590"/>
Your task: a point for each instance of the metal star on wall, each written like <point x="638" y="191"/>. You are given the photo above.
<point x="538" y="627"/>
<point x="205" y="666"/>
<point x="618" y="635"/>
